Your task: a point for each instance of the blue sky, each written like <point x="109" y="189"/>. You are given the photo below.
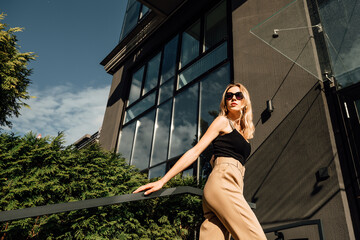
<point x="71" y="38"/>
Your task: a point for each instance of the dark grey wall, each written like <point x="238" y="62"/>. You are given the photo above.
<point x="294" y="142"/>
<point x="111" y="123"/>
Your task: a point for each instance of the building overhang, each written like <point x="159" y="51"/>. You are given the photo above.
<point x="163" y="7"/>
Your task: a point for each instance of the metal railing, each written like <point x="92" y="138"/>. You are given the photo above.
<point x="298" y="224"/>
<point x="97" y="202"/>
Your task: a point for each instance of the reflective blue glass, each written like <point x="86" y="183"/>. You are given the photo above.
<point x="126" y="141"/>
<point x="162" y="132"/>
<point x="144" y="11"/>
<point x="142" y="141"/>
<point x="166" y="90"/>
<point x="152" y="73"/>
<point x="211" y="90"/>
<point x="157" y="171"/>
<point x="341" y="21"/>
<point x="135" y="88"/>
<point x="169" y="60"/>
<point x="131" y="17"/>
<point x="140" y="107"/>
<point x="215" y="26"/>
<point x="190" y="44"/>
<point x="202" y="65"/>
<point x="184" y="121"/>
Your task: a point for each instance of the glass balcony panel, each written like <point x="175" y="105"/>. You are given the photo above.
<point x="162" y="132"/>
<point x="152" y="73"/>
<point x="184" y="121"/>
<point x="126" y="141"/>
<point x="190" y="44"/>
<point x="204" y="64"/>
<point x="140" y="107"/>
<point x="169" y="60"/>
<point x="215" y="26"/>
<point x="288" y="31"/>
<point x="135" y="88"/>
<point x="143" y="138"/>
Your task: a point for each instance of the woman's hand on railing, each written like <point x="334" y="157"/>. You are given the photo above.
<point x="150" y="187"/>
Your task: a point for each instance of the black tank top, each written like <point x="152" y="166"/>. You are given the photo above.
<point x="233" y="145"/>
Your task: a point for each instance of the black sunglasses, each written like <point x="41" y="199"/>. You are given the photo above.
<point x="238" y="95"/>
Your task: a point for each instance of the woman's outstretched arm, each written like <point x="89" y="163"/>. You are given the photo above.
<point x="189" y="157"/>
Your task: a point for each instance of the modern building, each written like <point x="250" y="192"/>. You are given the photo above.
<point x="299" y="61"/>
<point x="87" y="140"/>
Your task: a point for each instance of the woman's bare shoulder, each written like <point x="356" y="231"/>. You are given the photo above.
<point x="220" y="122"/>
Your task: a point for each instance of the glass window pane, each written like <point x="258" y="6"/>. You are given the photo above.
<point x="215" y="25"/>
<point x="357" y="104"/>
<point x="166" y="90"/>
<point x="152" y="73"/>
<point x="140" y="107"/>
<point x="190" y="44"/>
<point x="184" y="125"/>
<point x="157" y="171"/>
<point x="202" y="65"/>
<point x="126" y="141"/>
<point x="341" y="20"/>
<point x="136" y="85"/>
<point x="162" y="131"/>
<point x="131" y="17"/>
<point x="211" y="89"/>
<point x="169" y="61"/>
<point x="142" y="143"/>
<point x="187" y="173"/>
<point x="144" y="11"/>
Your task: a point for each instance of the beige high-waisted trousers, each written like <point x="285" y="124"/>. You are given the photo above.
<point x="225" y="208"/>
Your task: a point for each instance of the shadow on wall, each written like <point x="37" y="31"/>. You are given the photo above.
<point x="281" y="174"/>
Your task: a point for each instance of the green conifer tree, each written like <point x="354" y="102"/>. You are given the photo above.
<point x="14" y="75"/>
<point x="37" y="172"/>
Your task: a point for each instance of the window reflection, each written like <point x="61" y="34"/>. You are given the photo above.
<point x="152" y="74"/>
<point x="126" y="141"/>
<point x="140" y="107"/>
<point x="131" y="17"/>
<point x="136" y="85"/>
<point x="190" y="44"/>
<point x="169" y="61"/>
<point x="211" y="89"/>
<point x="202" y="65"/>
<point x="142" y="142"/>
<point x="144" y="11"/>
<point x="343" y="38"/>
<point x="166" y="90"/>
<point x="162" y="130"/>
<point x="157" y="171"/>
<point x="187" y="173"/>
<point x="215" y="25"/>
<point x="184" y="121"/>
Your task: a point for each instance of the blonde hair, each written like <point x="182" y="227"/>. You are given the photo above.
<point x="246" y="115"/>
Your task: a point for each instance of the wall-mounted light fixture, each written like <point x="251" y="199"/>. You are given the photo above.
<point x="269" y="106"/>
<point x="322" y="174"/>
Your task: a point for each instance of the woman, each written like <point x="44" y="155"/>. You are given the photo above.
<point x="225" y="208"/>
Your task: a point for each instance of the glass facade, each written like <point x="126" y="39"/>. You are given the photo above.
<point x="135" y="11"/>
<point x="341" y="20"/>
<point x="175" y="96"/>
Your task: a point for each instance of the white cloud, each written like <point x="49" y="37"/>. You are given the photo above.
<point x="60" y="108"/>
